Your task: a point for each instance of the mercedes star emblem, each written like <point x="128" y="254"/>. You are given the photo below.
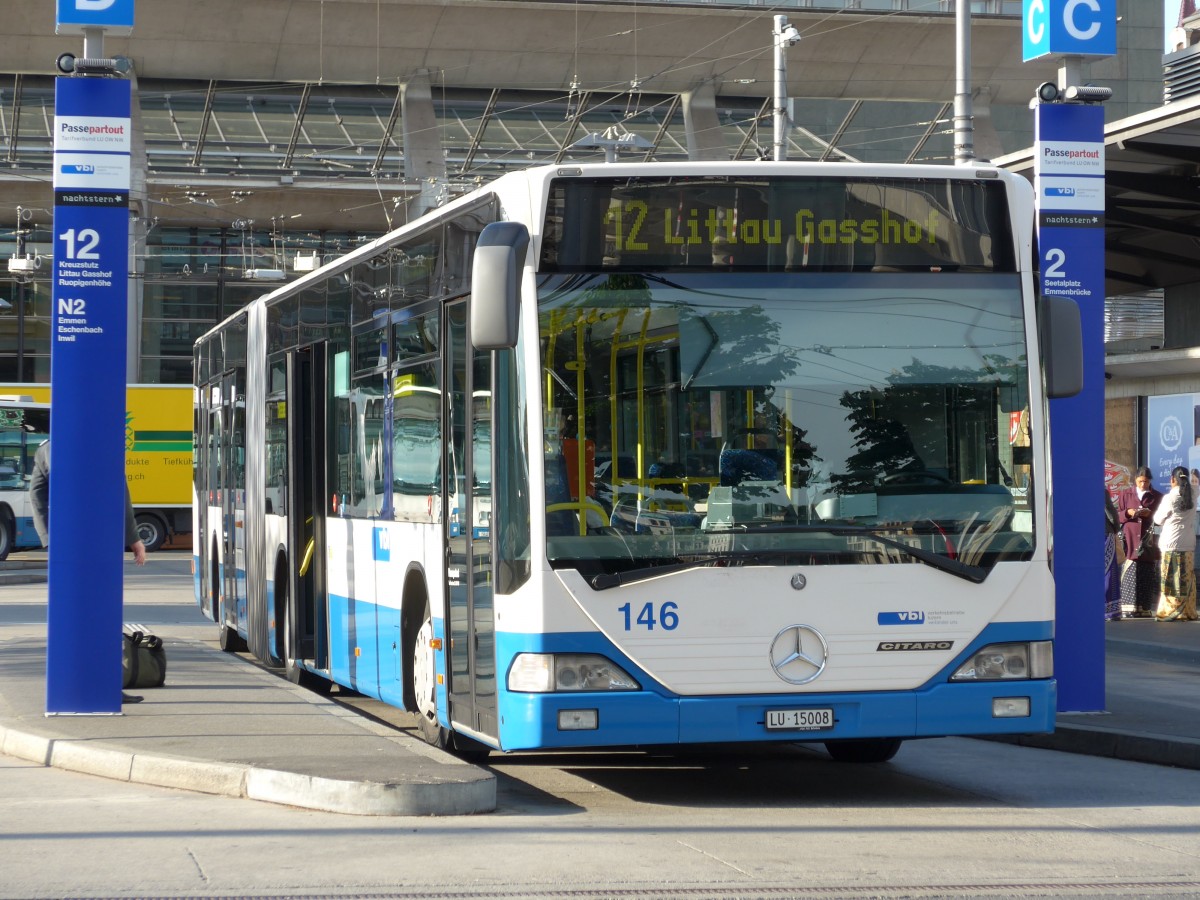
<point x="798" y="654"/>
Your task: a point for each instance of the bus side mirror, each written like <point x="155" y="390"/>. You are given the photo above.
<point x="496" y="285"/>
<point x="1062" y="346"/>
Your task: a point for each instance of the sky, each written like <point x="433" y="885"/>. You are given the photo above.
<point x="1170" y="11"/>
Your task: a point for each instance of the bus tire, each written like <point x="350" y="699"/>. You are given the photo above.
<point x="424" y="683"/>
<point x="8" y="533"/>
<point x="864" y="750"/>
<point x="151" y="531"/>
<point x="231" y="641"/>
<point x="470" y="749"/>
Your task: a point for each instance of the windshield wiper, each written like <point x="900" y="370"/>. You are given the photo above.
<point x="973" y="574"/>
<point x="606" y="580"/>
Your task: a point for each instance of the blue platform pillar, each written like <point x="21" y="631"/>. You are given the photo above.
<point x="1069" y="176"/>
<point x="92" y="144"/>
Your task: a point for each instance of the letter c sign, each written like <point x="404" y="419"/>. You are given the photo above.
<point x="1071" y="21"/>
<point x="1069" y="28"/>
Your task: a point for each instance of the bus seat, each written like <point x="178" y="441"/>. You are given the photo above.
<point x="736" y="465"/>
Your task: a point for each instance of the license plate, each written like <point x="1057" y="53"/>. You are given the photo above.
<point x="799" y="719"/>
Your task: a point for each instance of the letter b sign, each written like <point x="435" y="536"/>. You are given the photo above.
<point x="1069" y="28"/>
<point x="74" y="14"/>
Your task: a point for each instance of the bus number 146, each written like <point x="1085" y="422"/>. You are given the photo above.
<point x="666" y="616"/>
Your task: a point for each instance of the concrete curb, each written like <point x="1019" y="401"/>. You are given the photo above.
<point x="454" y="787"/>
<point x="1156" y="652"/>
<point x="1156" y="749"/>
<point x="474" y="793"/>
<point x="23" y="574"/>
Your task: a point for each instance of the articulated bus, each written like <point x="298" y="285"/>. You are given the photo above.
<point x="640" y="455"/>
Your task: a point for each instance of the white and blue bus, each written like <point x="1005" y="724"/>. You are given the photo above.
<point x="653" y="454"/>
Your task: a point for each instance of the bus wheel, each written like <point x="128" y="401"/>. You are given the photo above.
<point x="151" y="531"/>
<point x="7" y="534"/>
<point x="231" y="641"/>
<point x="425" y="684"/>
<point x="470" y="750"/>
<point x="866" y="750"/>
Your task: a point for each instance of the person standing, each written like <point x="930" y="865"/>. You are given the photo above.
<point x="1177" y="516"/>
<point x="1112" y="577"/>
<point x="39" y="499"/>
<point x="1136" y="506"/>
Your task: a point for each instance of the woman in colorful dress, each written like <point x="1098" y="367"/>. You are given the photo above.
<point x="1136" y="506"/>
<point x="1176" y="514"/>
<point x="1112" y="578"/>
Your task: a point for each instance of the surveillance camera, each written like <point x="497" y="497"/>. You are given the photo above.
<point x="1088" y="93"/>
<point x="65" y="63"/>
<point x="791" y="35"/>
<point x="1047" y="92"/>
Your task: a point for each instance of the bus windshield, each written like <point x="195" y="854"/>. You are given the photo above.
<point x="831" y="418"/>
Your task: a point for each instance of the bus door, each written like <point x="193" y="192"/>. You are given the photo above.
<point x="211" y="495"/>
<point x="208" y="426"/>
<point x="306" y="630"/>
<point x="471" y="660"/>
<point x="233" y="495"/>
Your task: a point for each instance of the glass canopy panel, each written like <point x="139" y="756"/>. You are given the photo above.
<point x="235" y="122"/>
<point x="277" y="119"/>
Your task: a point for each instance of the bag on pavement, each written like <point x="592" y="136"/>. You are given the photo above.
<point x="143" y="658"/>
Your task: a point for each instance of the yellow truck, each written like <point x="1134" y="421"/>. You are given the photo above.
<point x="158" y="455"/>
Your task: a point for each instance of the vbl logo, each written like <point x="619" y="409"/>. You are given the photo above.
<point x="381" y="541"/>
<point x="1060" y="192"/>
<point x="909" y="617"/>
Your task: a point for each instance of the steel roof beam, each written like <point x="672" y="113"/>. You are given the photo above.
<point x="15" y="131"/>
<point x="205" y="117"/>
<point x="752" y="129"/>
<point x="297" y="126"/>
<point x="388" y="131"/>
<point x="662" y="128"/>
<point x="841" y="132"/>
<point x="584" y="99"/>
<point x="929" y="132"/>
<point x="477" y="138"/>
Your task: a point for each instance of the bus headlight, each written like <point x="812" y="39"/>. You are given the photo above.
<point x="1008" y="662"/>
<point x="543" y="673"/>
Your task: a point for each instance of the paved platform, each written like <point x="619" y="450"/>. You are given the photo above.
<point x="225" y="726"/>
<point x="221" y="725"/>
<point x="1152" y="698"/>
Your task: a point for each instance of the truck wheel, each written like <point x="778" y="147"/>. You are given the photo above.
<point x="152" y="531"/>
<point x="8" y="534"/>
